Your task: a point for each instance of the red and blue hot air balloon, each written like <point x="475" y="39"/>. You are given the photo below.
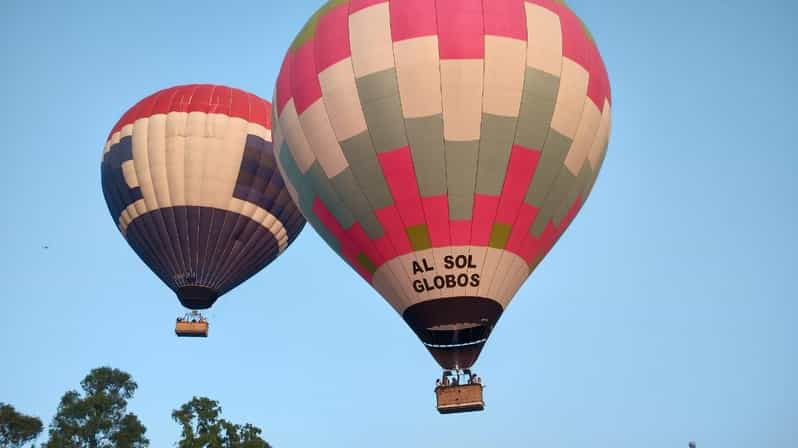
<point x="190" y="179"/>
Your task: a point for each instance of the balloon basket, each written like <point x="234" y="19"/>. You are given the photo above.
<point x="459" y="398"/>
<point x="192" y="325"/>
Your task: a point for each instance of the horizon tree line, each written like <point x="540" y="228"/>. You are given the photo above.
<point x="97" y="417"/>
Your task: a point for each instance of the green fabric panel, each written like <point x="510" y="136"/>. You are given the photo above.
<point x="366" y="263"/>
<point x="579" y="187"/>
<point x="557" y="193"/>
<point x="377" y="85"/>
<point x="495" y="144"/>
<point x="426" y="145"/>
<point x="295" y="177"/>
<point x="367" y="170"/>
<point x="461" y="171"/>
<point x="306" y="195"/>
<point x="349" y="191"/>
<point x="597" y="170"/>
<point x="419" y="237"/>
<point x="322" y="186"/>
<point x="535" y="262"/>
<point x="537" y="108"/>
<point x="552" y="160"/>
<point x="499" y="235"/>
<point x="382" y="107"/>
<point x="309" y="30"/>
<point x="371" y="226"/>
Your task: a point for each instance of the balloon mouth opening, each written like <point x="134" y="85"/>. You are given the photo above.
<point x="453" y="346"/>
<point x="454" y="329"/>
<point x="195" y="297"/>
<point x="471" y="334"/>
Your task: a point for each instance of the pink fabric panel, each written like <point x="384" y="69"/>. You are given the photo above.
<point x="436" y="209"/>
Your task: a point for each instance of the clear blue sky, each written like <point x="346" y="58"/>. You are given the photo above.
<point x="666" y="313"/>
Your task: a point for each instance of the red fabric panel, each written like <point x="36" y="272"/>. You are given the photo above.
<point x="260" y="111"/>
<point x="358" y="236"/>
<point x="598" y="87"/>
<point x="206" y="98"/>
<point x="166" y="98"/>
<point x="485" y="207"/>
<point x="305" y="86"/>
<point x="534" y="247"/>
<point x="505" y="18"/>
<point x="520" y="171"/>
<point x="349" y="250"/>
<point x="394" y="229"/>
<point x="412" y="18"/>
<point x="460" y="232"/>
<point x="357" y="5"/>
<point x="282" y="93"/>
<point x="240" y="104"/>
<point x="200" y="99"/>
<point x="397" y="168"/>
<point x="385" y="247"/>
<point x="520" y="231"/>
<point x="460" y="29"/>
<point x="436" y="210"/>
<point x="574" y="40"/>
<point x="332" y="37"/>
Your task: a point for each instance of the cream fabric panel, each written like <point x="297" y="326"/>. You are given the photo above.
<point x="544" y="37"/>
<point x="602" y="137"/>
<point x="387" y="284"/>
<point x="226" y="137"/>
<point x="570" y="98"/>
<point x="129" y="172"/>
<point x="321" y="137"/>
<point x="505" y="61"/>
<point x="191" y="159"/>
<point x="478" y="258"/>
<point x="342" y="101"/>
<point x="142" y="164"/>
<point x="176" y="155"/>
<point x="489" y="271"/>
<point x="461" y="86"/>
<point x="418" y="71"/>
<point x="265" y="219"/>
<point x="197" y="147"/>
<point x="585" y="136"/>
<point x="297" y="143"/>
<point x="370" y="39"/>
<point x="447" y="276"/>
<point x="255" y="129"/>
<point x="156" y="154"/>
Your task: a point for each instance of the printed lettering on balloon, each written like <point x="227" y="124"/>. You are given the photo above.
<point x="455" y="273"/>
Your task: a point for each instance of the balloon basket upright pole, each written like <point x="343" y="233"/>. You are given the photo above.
<point x="453" y="397"/>
<point x="192" y="325"/>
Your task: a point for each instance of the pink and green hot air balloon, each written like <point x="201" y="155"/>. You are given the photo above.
<point x="441" y="147"/>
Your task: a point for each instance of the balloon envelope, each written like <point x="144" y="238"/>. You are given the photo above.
<point x="441" y="148"/>
<point x="190" y="179"/>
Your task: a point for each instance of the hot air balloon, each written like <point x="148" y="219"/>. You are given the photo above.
<point x="441" y="147"/>
<point x="190" y="179"/>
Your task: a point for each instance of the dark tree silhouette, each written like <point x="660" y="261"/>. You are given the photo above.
<point x="99" y="417"/>
<point x="17" y="429"/>
<point x="202" y="427"/>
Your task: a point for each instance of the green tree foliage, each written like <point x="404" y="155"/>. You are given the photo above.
<point x="203" y="427"/>
<point x="99" y="417"/>
<point x="17" y="429"/>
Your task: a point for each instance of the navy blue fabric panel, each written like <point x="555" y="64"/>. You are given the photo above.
<point x="118" y="195"/>
<point x="235" y="256"/>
